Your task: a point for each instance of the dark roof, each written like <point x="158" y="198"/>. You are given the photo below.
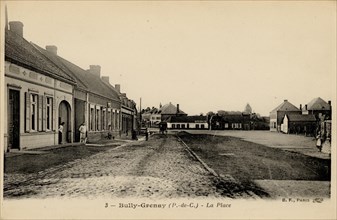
<point x="84" y="79"/>
<point x="170" y="109"/>
<point x="301" y="118"/>
<point x="286" y="106"/>
<point x="19" y="51"/>
<point x="235" y="118"/>
<point x="318" y="104"/>
<point x="189" y="119"/>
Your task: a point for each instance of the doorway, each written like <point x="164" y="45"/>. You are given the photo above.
<point x="14" y="119"/>
<point x="64" y="116"/>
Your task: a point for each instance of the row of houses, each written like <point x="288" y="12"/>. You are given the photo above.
<point x="287" y="118"/>
<point x="173" y="118"/>
<point x="43" y="90"/>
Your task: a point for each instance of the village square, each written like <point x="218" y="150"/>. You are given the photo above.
<point x="71" y="132"/>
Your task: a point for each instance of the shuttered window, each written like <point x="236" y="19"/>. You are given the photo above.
<point x="33" y="112"/>
<point x="48" y="113"/>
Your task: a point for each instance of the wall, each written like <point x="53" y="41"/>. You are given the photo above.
<point x="191" y="125"/>
<point x="26" y="81"/>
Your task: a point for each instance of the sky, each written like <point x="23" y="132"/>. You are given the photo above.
<point x="205" y="56"/>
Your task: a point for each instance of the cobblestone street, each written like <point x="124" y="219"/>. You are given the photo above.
<point x="159" y="168"/>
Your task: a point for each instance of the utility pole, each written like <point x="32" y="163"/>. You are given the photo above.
<point x="140" y="112"/>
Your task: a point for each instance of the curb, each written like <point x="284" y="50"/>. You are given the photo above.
<point x="222" y="177"/>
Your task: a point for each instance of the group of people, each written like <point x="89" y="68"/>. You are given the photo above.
<point x="82" y="129"/>
<point x="83" y="133"/>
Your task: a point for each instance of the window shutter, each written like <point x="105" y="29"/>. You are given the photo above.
<point x="40" y="97"/>
<point x="54" y="115"/>
<point x="27" y="97"/>
<point x="44" y="110"/>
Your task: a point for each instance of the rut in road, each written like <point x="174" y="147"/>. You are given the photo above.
<point x="152" y="155"/>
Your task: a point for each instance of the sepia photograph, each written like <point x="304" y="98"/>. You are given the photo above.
<point x="168" y="109"/>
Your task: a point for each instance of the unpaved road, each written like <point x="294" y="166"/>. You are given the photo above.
<point x="159" y="168"/>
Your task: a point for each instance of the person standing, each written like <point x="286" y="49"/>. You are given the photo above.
<point x="319" y="141"/>
<point x="83" y="133"/>
<point x="147" y="134"/>
<point x="60" y="132"/>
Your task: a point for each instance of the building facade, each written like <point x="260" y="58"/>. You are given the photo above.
<point x="38" y="96"/>
<point x="277" y="114"/>
<point x="187" y="122"/>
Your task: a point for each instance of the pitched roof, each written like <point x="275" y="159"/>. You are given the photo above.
<point x="21" y="52"/>
<point x="170" y="109"/>
<point x="286" y="106"/>
<point x="189" y="119"/>
<point x="301" y="118"/>
<point x="84" y="79"/>
<point x="318" y="104"/>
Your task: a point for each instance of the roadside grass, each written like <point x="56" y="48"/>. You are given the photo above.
<point x="247" y="161"/>
<point x="32" y="163"/>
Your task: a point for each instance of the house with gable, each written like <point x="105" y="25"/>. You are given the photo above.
<point x="38" y="95"/>
<point x="168" y="110"/>
<point x="277" y="114"/>
<point x="319" y="108"/>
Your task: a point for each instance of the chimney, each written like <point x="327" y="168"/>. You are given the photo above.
<point x="177" y="108"/>
<point x="106" y="79"/>
<point x="306" y="107"/>
<point x="300" y="106"/>
<point x="52" y="49"/>
<point x="16" y="27"/>
<point x="286" y="100"/>
<point x="118" y="87"/>
<point x="329" y="102"/>
<point x="95" y="70"/>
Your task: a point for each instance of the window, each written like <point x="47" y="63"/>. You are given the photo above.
<point x="178" y="125"/>
<point x="92" y="119"/>
<point x="117" y="120"/>
<point x="183" y="126"/>
<point x="103" y="119"/>
<point x="188" y="125"/>
<point x="202" y="126"/>
<point x="49" y="103"/>
<point x="33" y="111"/>
<point x="173" y="126"/>
<point x="197" y="126"/>
<point x="97" y="120"/>
<point x="226" y="125"/>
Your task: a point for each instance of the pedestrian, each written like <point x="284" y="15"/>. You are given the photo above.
<point x="60" y="132"/>
<point x="319" y="141"/>
<point x="83" y="133"/>
<point x="146" y="135"/>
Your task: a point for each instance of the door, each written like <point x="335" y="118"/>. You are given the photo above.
<point x="14" y="119"/>
<point x="64" y="116"/>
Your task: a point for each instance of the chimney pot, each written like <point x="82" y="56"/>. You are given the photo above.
<point x="52" y="49"/>
<point x="178" y="108"/>
<point x="16" y="27"/>
<point x="95" y="70"/>
<point x="118" y="87"/>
